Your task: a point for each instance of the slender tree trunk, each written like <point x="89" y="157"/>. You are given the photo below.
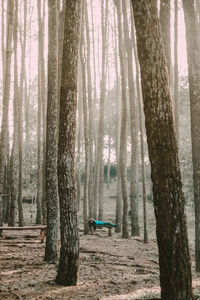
<point x="6" y="98"/>
<point x="86" y="132"/>
<point x="135" y="230"/>
<point x="142" y="150"/>
<point x="174" y="258"/>
<point x="176" y="97"/>
<point x="69" y="251"/>
<point x="52" y="136"/>
<point x="39" y="129"/>
<point x="98" y="173"/>
<point x="122" y="153"/>
<point x="44" y="114"/>
<point x="118" y="213"/>
<point x="20" y="126"/>
<point x="90" y="108"/>
<point x="193" y="52"/>
<point x="144" y="195"/>
<point x="14" y="152"/>
<point x="3" y="42"/>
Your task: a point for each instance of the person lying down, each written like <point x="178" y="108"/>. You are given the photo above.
<point x="95" y="223"/>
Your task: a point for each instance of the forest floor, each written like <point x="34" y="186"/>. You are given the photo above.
<point x="111" y="268"/>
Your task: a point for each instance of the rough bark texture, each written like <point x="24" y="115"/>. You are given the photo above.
<point x="52" y="136"/>
<point x="122" y="153"/>
<point x="6" y="98"/>
<point x="69" y="251"/>
<point x="193" y="52"/>
<point x="174" y="259"/>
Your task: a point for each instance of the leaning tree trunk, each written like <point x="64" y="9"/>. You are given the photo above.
<point x="6" y="98"/>
<point x="174" y="258"/>
<point x="69" y="251"/>
<point x="122" y="151"/>
<point x="52" y="136"/>
<point x="193" y="52"/>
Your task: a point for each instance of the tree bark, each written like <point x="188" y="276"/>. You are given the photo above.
<point x="52" y="136"/>
<point x="39" y="129"/>
<point x="118" y="214"/>
<point x="193" y="51"/>
<point x="6" y="98"/>
<point x="90" y="108"/>
<point x="14" y="152"/>
<point x="122" y="151"/>
<point x="135" y="230"/>
<point x="85" y="118"/>
<point x="174" y="258"/>
<point x="69" y="251"/>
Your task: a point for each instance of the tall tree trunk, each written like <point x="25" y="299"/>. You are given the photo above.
<point x="3" y="42"/>
<point x="142" y="150"/>
<point x="90" y="108"/>
<point x="122" y="153"/>
<point x="85" y="119"/>
<point x="98" y="194"/>
<point x="80" y="121"/>
<point x="44" y="113"/>
<point x="118" y="216"/>
<point x="39" y="129"/>
<point x="135" y="230"/>
<point x="14" y="152"/>
<point x="69" y="251"/>
<point x="174" y="258"/>
<point x="20" y="125"/>
<point x="176" y="97"/>
<point x="6" y="98"/>
<point x="52" y="136"/>
<point x="193" y="52"/>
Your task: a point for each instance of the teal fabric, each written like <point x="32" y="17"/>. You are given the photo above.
<point x="101" y="223"/>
